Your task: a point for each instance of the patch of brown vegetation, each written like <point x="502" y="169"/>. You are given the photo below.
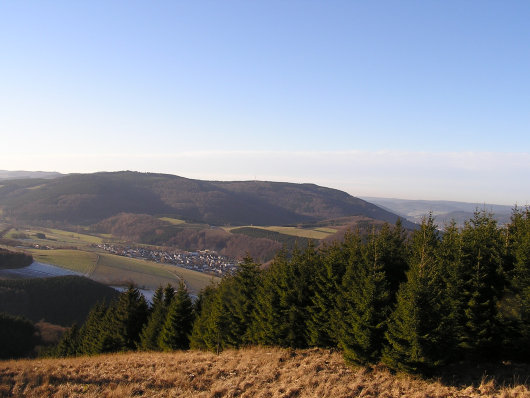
<point x="131" y="227"/>
<point x="49" y="333"/>
<point x="255" y="372"/>
<point x="226" y="244"/>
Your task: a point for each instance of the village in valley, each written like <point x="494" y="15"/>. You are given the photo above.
<point x="206" y="261"/>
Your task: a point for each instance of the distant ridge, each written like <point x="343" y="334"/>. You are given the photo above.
<point x="11" y="175"/>
<point x="443" y="210"/>
<point x="89" y="198"/>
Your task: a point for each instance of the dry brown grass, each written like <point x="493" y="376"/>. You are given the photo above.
<point x="256" y="372"/>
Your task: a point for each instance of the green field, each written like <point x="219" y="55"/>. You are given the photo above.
<point x="173" y="221"/>
<point x="105" y="267"/>
<point x="73" y="237"/>
<point x="75" y="260"/>
<point x="111" y="269"/>
<point x="326" y="230"/>
<point x="316" y="233"/>
<point x="56" y="235"/>
<point x="35" y="187"/>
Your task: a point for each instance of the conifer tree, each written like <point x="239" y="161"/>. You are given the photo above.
<point x="226" y="311"/>
<point x="126" y="319"/>
<point x="69" y="345"/>
<point x="158" y="298"/>
<point x="239" y="296"/>
<point x="365" y="301"/>
<point x="179" y="321"/>
<point x="393" y="255"/>
<point x="373" y="275"/>
<point x="283" y="299"/>
<point x="201" y="335"/>
<point x="211" y="330"/>
<point x="157" y="317"/>
<point x="484" y="283"/>
<point x="416" y="335"/>
<point x="218" y="324"/>
<point x="454" y="280"/>
<point x="321" y="324"/>
<point x="94" y="331"/>
<point x="296" y="290"/>
<point x="265" y="328"/>
<point x="520" y="283"/>
<point x="169" y="293"/>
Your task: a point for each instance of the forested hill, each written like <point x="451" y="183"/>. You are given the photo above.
<point x="89" y="198"/>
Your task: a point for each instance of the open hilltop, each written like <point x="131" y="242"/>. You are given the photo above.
<point x="254" y="372"/>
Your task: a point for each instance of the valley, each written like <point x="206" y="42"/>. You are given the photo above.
<point x="308" y="296"/>
<point x="153" y="229"/>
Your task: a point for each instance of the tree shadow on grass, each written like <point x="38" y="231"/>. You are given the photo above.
<point x="503" y="374"/>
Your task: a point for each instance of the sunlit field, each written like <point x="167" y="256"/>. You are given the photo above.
<point x="316" y="233"/>
<point x="255" y="372"/>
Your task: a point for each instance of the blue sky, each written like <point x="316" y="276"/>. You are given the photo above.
<point x="409" y="99"/>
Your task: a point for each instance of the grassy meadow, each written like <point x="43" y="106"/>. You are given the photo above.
<point x="56" y="236"/>
<point x="75" y="260"/>
<point x="253" y="372"/>
<point x="310" y="233"/>
<point x="80" y="256"/>
<point x="111" y="269"/>
<point x="173" y="221"/>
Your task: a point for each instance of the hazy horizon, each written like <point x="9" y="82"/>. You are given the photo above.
<point x="415" y="100"/>
<point x="365" y="197"/>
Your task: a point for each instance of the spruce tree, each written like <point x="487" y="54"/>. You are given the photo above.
<point x="484" y="284"/>
<point x="94" y="331"/>
<point x="296" y="290"/>
<point x="283" y="300"/>
<point x="417" y="335"/>
<point x="239" y="297"/>
<point x="201" y="335"/>
<point x="226" y="311"/>
<point x="157" y="317"/>
<point x="267" y="314"/>
<point x="374" y="272"/>
<point x="169" y="293"/>
<point x="454" y="277"/>
<point x="158" y="298"/>
<point x="392" y="254"/>
<point x="218" y="324"/>
<point x="365" y="301"/>
<point x="211" y="329"/>
<point x="179" y="321"/>
<point x="69" y="345"/>
<point x="322" y="320"/>
<point x="126" y="319"/>
<point x="519" y="303"/>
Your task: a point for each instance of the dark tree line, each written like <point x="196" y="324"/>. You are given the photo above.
<point x="18" y="336"/>
<point x="61" y="300"/>
<point x="129" y="323"/>
<point x="412" y="301"/>
<point x="10" y="259"/>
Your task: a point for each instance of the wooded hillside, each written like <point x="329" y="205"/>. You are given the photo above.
<point x="90" y="198"/>
<point x="60" y="300"/>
